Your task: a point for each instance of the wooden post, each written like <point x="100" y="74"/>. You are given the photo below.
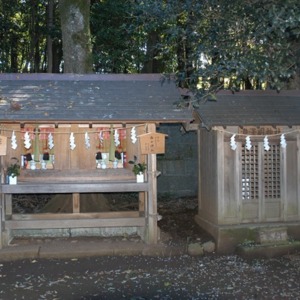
<point x="142" y="197"/>
<point x="199" y="169"/>
<point x="298" y="173"/>
<point x="152" y="234"/>
<point x="283" y="184"/>
<point x="220" y="174"/>
<point x="1" y="219"/>
<point x="76" y="202"/>
<point x="8" y="204"/>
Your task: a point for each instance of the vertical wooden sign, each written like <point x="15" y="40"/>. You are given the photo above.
<point x="152" y="143"/>
<point x="3" y="145"/>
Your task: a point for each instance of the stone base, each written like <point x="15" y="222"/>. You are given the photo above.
<point x="228" y="237"/>
<point x="78" y="232"/>
<point x="268" y="251"/>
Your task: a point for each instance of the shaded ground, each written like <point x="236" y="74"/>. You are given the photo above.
<point x="140" y="277"/>
<point x="177" y="224"/>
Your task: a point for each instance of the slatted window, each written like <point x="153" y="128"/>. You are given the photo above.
<point x="250" y="173"/>
<point x="271" y="172"/>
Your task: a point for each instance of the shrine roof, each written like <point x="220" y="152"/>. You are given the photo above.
<point x="251" y="108"/>
<point x="79" y="98"/>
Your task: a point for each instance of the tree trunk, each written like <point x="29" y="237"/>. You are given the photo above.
<point x="294" y="82"/>
<point x="75" y="26"/>
<point x="50" y="9"/>
<point x="152" y="64"/>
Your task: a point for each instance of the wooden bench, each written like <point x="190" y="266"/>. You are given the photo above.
<point x="75" y="182"/>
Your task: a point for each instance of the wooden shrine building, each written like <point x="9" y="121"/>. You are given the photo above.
<point x="75" y="134"/>
<point x="249" y="165"/>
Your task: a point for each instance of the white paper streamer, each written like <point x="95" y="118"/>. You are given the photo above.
<point x="101" y="138"/>
<point x="282" y="141"/>
<point x="248" y="143"/>
<point x="133" y="135"/>
<point x="72" y="141"/>
<point x="87" y="140"/>
<point x="27" y="141"/>
<point x="117" y="138"/>
<point x="50" y="141"/>
<point x="14" y="144"/>
<point x="266" y="143"/>
<point x="233" y="144"/>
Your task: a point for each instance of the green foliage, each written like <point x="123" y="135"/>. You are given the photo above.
<point x="210" y="45"/>
<point x="138" y="167"/>
<point x="14" y="168"/>
<point x="243" y="45"/>
<point x="115" y="38"/>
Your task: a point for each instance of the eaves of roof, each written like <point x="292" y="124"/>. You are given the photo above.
<point x="108" y="98"/>
<point x="251" y="108"/>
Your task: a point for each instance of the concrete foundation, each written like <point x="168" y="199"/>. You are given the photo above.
<point x="79" y="232"/>
<point x="228" y="237"/>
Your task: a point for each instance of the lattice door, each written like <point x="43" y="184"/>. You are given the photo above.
<point x="272" y="173"/>
<point x="250" y="173"/>
<point x="261" y="183"/>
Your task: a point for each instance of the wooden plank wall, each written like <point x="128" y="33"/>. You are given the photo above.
<point x="292" y="181"/>
<point x="208" y="195"/>
<point x="80" y="157"/>
<point x="231" y="196"/>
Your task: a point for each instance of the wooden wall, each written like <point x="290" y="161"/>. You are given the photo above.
<point x="80" y="158"/>
<point x="208" y="175"/>
<point x="220" y="180"/>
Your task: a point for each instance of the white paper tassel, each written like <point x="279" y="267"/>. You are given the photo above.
<point x="282" y="141"/>
<point x="50" y="141"/>
<point x="133" y="135"/>
<point x="87" y="141"/>
<point x="266" y="143"/>
<point x="248" y="143"/>
<point x="14" y="144"/>
<point x="101" y="138"/>
<point x="27" y="141"/>
<point x="117" y="138"/>
<point x="233" y="144"/>
<point x="72" y="141"/>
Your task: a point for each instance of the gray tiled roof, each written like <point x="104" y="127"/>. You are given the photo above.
<point x="89" y="98"/>
<point x="252" y="108"/>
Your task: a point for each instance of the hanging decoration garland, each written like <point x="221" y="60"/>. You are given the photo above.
<point x="117" y="138"/>
<point x="133" y="135"/>
<point x="233" y="143"/>
<point x="101" y="138"/>
<point x="282" y="141"/>
<point x="248" y="143"/>
<point x="27" y="140"/>
<point x="87" y="140"/>
<point x="72" y="141"/>
<point x="50" y="141"/>
<point x="266" y="143"/>
<point x="14" y="144"/>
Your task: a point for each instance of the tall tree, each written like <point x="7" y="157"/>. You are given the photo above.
<point x="50" y="22"/>
<point x="75" y="26"/>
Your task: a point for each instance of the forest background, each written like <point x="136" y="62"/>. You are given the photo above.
<point x="208" y="44"/>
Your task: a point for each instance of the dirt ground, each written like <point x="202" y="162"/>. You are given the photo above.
<point x="177" y="224"/>
<point x="210" y="276"/>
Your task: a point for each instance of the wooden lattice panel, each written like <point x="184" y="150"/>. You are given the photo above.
<point x="250" y="173"/>
<point x="272" y="172"/>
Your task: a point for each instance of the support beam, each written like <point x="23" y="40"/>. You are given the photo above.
<point x="8" y="204"/>
<point x="152" y="234"/>
<point x="76" y="202"/>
